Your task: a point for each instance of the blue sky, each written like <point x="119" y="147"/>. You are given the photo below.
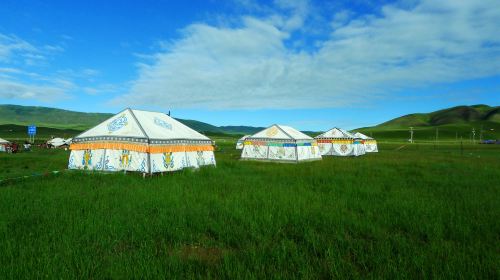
<point x="309" y="64"/>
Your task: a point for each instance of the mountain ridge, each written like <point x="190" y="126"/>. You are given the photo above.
<point x="66" y="119"/>
<point x="453" y="115"/>
<point x="451" y="122"/>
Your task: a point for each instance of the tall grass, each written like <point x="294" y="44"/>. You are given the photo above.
<point x="407" y="212"/>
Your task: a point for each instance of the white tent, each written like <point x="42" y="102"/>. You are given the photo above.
<point x="339" y="142"/>
<point x="369" y="142"/>
<point x="58" y="142"/>
<point x="142" y="141"/>
<point x="240" y="142"/>
<point x="3" y="144"/>
<point x="280" y="143"/>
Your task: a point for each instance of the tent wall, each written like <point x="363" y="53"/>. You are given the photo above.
<point x="254" y="151"/>
<point x="86" y="159"/>
<point x="125" y="160"/>
<point x="308" y="152"/>
<point x="269" y="150"/>
<point x="371" y="146"/>
<point x="359" y="148"/>
<point x="340" y="148"/>
<point x="2" y="148"/>
<point x="239" y="145"/>
<point x="282" y="153"/>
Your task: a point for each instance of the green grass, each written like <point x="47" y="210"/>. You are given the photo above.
<point x="413" y="212"/>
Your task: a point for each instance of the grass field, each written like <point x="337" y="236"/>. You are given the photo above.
<point x="414" y="211"/>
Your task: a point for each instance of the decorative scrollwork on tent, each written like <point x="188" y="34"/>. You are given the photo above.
<point x="162" y="123"/>
<point x="125" y="159"/>
<point x="71" y="163"/>
<point x="87" y="159"/>
<point x="200" y="159"/>
<point x="343" y="148"/>
<point x="142" y="167"/>
<point x="168" y="160"/>
<point x="272" y="131"/>
<point x="118" y="123"/>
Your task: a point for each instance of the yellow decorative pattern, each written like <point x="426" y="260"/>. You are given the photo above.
<point x="272" y="131"/>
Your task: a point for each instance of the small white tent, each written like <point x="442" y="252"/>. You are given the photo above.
<point x="339" y="142"/>
<point x="3" y="144"/>
<point x="369" y="143"/>
<point x="58" y="142"/>
<point x="240" y="142"/>
<point x="142" y="141"/>
<point x="280" y="143"/>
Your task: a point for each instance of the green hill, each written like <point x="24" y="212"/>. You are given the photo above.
<point x="448" y="124"/>
<point x="455" y="115"/>
<point x="19" y="132"/>
<point x="49" y="117"/>
<point x="64" y="119"/>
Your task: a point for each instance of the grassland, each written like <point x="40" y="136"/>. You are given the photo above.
<point x="414" y="211"/>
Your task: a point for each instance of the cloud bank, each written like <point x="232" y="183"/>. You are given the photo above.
<point x="260" y="63"/>
<point x="17" y="83"/>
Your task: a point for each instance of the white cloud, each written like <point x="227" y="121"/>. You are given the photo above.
<point x="19" y="78"/>
<point x="17" y="90"/>
<point x="250" y="66"/>
<point x="11" y="45"/>
<point x="14" y="50"/>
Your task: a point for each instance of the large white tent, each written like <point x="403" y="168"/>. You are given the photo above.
<point x="240" y="142"/>
<point x="3" y="144"/>
<point x="339" y="142"/>
<point x="369" y="143"/>
<point x="280" y="143"/>
<point x="135" y="140"/>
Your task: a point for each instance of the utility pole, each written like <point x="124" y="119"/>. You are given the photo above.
<point x="481" y="134"/>
<point x="473" y="135"/>
<point x="461" y="146"/>
<point x="411" y="134"/>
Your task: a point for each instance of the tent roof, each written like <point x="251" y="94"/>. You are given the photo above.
<point x="336" y="133"/>
<point x="244" y="137"/>
<point x="144" y="125"/>
<point x="3" y="141"/>
<point x="282" y="132"/>
<point x="362" y="136"/>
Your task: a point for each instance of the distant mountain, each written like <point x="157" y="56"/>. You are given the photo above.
<point x="453" y="123"/>
<point x="461" y="122"/>
<point x="241" y="129"/>
<point x="455" y="115"/>
<point x="79" y="121"/>
<point x="49" y="117"/>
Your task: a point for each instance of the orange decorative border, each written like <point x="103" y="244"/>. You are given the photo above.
<point x="141" y="148"/>
<point x="180" y="148"/>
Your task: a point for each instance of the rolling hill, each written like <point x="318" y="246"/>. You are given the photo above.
<point x="455" y="115"/>
<point x="79" y="121"/>
<point x="452" y="123"/>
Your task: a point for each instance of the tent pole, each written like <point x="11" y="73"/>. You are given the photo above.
<point x="267" y="156"/>
<point x="103" y="159"/>
<point x="149" y="163"/>
<point x="296" y="151"/>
